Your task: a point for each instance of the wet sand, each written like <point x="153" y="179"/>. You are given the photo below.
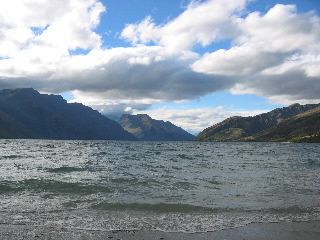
<point x="263" y="231"/>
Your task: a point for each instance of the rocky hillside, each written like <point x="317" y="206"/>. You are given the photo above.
<point x="237" y="128"/>
<point x="304" y="127"/>
<point x="10" y="128"/>
<point x="145" y="128"/>
<point x="25" y="113"/>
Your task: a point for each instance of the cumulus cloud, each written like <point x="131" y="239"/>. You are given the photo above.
<point x="275" y="55"/>
<point x="200" y="23"/>
<point x="36" y="27"/>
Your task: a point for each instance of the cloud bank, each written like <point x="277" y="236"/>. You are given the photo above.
<point x="196" y="120"/>
<point x="275" y="55"/>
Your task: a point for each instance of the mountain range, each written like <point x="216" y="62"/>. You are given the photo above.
<point x="295" y="123"/>
<point x="145" y="128"/>
<point x="25" y="113"/>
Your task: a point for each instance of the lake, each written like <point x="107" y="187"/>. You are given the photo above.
<point x="166" y="186"/>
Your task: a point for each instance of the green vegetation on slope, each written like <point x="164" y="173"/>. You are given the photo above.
<point x="304" y="127"/>
<point x="252" y="128"/>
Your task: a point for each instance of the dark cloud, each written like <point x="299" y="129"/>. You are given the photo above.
<point x="293" y="85"/>
<point x="168" y="79"/>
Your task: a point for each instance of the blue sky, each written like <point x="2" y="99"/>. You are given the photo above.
<point x="193" y="63"/>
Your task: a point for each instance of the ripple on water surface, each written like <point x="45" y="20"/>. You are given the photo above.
<point x="171" y="186"/>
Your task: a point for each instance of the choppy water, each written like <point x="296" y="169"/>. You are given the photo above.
<point x="167" y="186"/>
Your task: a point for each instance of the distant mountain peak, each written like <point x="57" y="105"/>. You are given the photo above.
<point x="141" y="115"/>
<point x="145" y="128"/>
<point x="21" y="91"/>
<point x="294" y="105"/>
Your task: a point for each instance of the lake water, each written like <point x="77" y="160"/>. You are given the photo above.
<point x="166" y="186"/>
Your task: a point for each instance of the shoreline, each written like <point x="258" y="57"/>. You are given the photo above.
<point x="262" y="231"/>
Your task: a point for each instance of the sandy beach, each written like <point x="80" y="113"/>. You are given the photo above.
<point x="263" y="231"/>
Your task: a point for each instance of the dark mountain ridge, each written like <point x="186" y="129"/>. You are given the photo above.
<point x="238" y="128"/>
<point x="25" y="113"/>
<point x="147" y="129"/>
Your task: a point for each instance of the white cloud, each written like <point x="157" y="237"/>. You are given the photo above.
<point x="281" y="29"/>
<point x="237" y="61"/>
<point x="288" y="100"/>
<point x="196" y="120"/>
<point x="264" y="41"/>
<point x="107" y="106"/>
<point x="140" y="60"/>
<point x="308" y="63"/>
<point x="37" y="27"/>
<point x="143" y="32"/>
<point x="200" y="23"/>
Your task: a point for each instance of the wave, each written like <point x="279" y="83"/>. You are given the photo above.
<point x="11" y="156"/>
<point x="51" y="186"/>
<point x="66" y="169"/>
<point x="158" y="207"/>
<point x="187" y="208"/>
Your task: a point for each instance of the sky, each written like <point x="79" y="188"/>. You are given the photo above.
<point x="191" y="62"/>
